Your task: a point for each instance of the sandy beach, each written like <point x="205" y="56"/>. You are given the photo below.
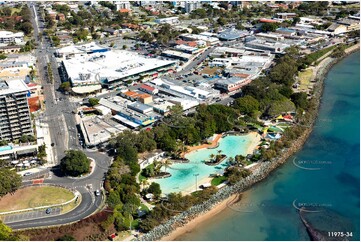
<point x="200" y="182"/>
<point x="256" y="139"/>
<point x="201" y="218"/>
<point x="212" y="145"/>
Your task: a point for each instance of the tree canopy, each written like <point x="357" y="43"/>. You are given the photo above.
<point x="10" y="181"/>
<point x="75" y="163"/>
<point x="93" y="101"/>
<point x="247" y="104"/>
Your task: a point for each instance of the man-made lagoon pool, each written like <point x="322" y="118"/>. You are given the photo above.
<point x="184" y="175"/>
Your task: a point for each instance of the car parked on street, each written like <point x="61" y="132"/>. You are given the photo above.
<point x="48" y="210"/>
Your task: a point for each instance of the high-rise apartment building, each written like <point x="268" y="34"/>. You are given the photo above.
<point x="192" y="5"/>
<point x="15" y="119"/>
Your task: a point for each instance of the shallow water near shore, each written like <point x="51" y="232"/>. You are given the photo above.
<point x="324" y="175"/>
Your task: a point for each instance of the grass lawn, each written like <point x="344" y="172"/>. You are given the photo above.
<point x="122" y="235"/>
<point x="218" y="180"/>
<point x="30" y="197"/>
<point x="305" y="78"/>
<point x="141" y="177"/>
<point x="143" y="207"/>
<point x="15" y="10"/>
<point x="210" y="70"/>
<point x="67" y="208"/>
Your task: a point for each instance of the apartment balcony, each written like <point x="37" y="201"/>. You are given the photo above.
<point x="23" y="105"/>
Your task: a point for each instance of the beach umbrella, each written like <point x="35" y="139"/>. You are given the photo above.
<point x="33" y="161"/>
<point x="27" y="164"/>
<point x="14" y="162"/>
<point x="19" y="165"/>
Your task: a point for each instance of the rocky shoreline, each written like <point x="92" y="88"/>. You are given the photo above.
<point x="260" y="173"/>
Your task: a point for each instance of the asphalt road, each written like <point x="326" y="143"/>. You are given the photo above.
<point x="58" y="116"/>
<point x="85" y="186"/>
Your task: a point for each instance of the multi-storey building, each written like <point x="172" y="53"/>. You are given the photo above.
<point x="15" y="118"/>
<point x="7" y="37"/>
<point x="192" y="5"/>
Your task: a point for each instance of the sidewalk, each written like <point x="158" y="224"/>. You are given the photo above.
<point x="32" y="170"/>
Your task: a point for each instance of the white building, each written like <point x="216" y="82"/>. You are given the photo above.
<point x="112" y="69"/>
<point x="189" y="6"/>
<point x="7" y="37"/>
<point x="195" y="37"/>
<point x="170" y="20"/>
<point x="122" y="5"/>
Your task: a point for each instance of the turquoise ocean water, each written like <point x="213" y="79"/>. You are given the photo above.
<point x="267" y="211"/>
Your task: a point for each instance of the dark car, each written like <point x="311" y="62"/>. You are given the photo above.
<point x="48" y="210"/>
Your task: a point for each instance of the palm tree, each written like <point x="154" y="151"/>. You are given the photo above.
<point x="231" y="160"/>
<point x="166" y="164"/>
<point x="157" y="167"/>
<point x="212" y="157"/>
<point x="219" y="151"/>
<point x="144" y="183"/>
<point x="240" y="159"/>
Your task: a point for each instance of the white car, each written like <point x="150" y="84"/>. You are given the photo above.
<point x="97" y="193"/>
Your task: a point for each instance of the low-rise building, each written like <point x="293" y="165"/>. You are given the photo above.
<point x="232" y="34"/>
<point x="170" y="20"/>
<point x="111" y="69"/>
<point x="231" y="84"/>
<point x="177" y="55"/>
<point x="285" y="16"/>
<point x="148" y="89"/>
<point x="193" y="37"/>
<point x="273" y="46"/>
<point x="13" y="152"/>
<point x="96" y="130"/>
<point x="10" y="49"/>
<point x="145" y="98"/>
<point x="187" y="49"/>
<point x="7" y="37"/>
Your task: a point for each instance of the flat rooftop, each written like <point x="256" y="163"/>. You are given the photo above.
<point x="12" y="86"/>
<point x="110" y="65"/>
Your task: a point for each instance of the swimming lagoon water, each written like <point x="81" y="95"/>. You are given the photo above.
<point x="267" y="212"/>
<point x="184" y="174"/>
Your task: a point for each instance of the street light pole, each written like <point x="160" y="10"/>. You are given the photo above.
<point x="196" y="175"/>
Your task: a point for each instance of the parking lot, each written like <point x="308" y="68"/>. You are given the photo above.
<point x="11" y="218"/>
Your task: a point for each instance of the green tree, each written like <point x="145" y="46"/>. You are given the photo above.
<point x="154" y="188"/>
<point x="3" y="56"/>
<point x="246" y="104"/>
<point x="239" y="26"/>
<point x="5" y="232"/>
<point x="10" y="181"/>
<point x="299" y="99"/>
<point x="125" y="47"/>
<point x="93" y="101"/>
<point x="26" y="27"/>
<point x="75" y="163"/>
<point x="281" y="106"/>
<point x="65" y="86"/>
<point x="42" y="152"/>
<point x="221" y="21"/>
<point x="269" y="27"/>
<point x="296" y="20"/>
